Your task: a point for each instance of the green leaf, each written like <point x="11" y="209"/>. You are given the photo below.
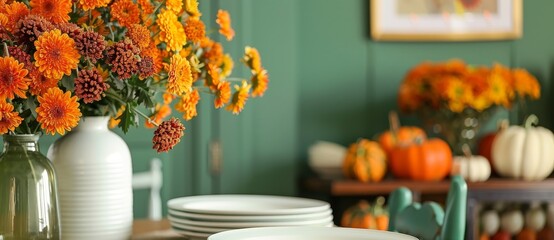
<point x="118" y="84"/>
<point x="25" y="114"/>
<point x="30" y="104"/>
<point x="68" y="83"/>
<point x="126" y="119"/>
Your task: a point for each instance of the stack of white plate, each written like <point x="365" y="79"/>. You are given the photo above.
<point x="198" y="217"/>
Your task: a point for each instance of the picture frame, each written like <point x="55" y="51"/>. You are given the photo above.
<point x="445" y="20"/>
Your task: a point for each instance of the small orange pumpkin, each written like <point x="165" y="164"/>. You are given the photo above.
<point x="429" y="160"/>
<point x="526" y="234"/>
<point x="484" y="236"/>
<point x="398" y="135"/>
<point x="501" y="235"/>
<point x="363" y="215"/>
<point x="365" y="161"/>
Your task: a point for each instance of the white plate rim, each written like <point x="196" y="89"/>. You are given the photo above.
<point x="282" y="217"/>
<point x="180" y="204"/>
<point x="318" y="222"/>
<point x="252" y="233"/>
<point x="191" y="233"/>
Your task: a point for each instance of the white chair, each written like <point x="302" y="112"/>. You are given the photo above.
<point x="152" y="180"/>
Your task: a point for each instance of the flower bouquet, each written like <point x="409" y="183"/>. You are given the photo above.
<point x="63" y="59"/>
<point x="454" y="97"/>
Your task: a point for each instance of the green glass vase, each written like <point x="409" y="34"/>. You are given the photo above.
<point x="28" y="192"/>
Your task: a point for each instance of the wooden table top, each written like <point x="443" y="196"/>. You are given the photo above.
<point x="144" y="229"/>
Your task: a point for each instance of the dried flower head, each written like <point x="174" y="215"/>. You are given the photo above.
<point x="21" y="56"/>
<point x="31" y="27"/>
<point x="91" y="45"/>
<point x="71" y="29"/>
<point x="89" y="85"/>
<point x="167" y="135"/>
<point x="146" y="67"/>
<point x="58" y="111"/>
<point x="124" y="58"/>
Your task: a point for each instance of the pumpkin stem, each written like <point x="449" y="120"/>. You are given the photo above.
<point x="531" y="121"/>
<point x="394" y="124"/>
<point x="503" y="124"/>
<point x="466" y="150"/>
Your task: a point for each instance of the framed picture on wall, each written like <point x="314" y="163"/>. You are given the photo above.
<point x="445" y="20"/>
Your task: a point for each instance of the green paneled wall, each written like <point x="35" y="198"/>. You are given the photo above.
<point x="328" y="81"/>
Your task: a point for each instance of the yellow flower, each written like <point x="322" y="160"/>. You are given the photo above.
<point x="239" y="98"/>
<point x="222" y="94"/>
<point x="526" y="84"/>
<point x="187" y="105"/>
<point x="499" y="91"/>
<point x="252" y="59"/>
<point x="172" y="31"/>
<point x="58" y="111"/>
<point x="191" y="7"/>
<point x="174" y="5"/>
<point x="92" y="4"/>
<point x="259" y="83"/>
<point x="227" y="67"/>
<point x="57" y="11"/>
<point x="56" y="54"/>
<point x="114" y="121"/>
<point x="224" y="21"/>
<point x="9" y="119"/>
<point x="179" y="79"/>
<point x="12" y="78"/>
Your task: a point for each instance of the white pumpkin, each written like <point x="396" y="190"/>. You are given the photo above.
<point x="490" y="221"/>
<point x="524" y="152"/>
<point x="512" y="221"/>
<point x="472" y="168"/>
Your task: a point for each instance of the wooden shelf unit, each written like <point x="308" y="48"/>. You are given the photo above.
<point x="495" y="189"/>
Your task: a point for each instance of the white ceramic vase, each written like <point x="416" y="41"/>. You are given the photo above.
<point x="94" y="171"/>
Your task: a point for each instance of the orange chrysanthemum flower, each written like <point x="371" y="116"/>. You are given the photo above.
<point x="125" y="12"/>
<point x="157" y="58"/>
<point x="224" y="21"/>
<point x="57" y="11"/>
<point x="114" y="121"/>
<point x="212" y="78"/>
<point x="146" y="7"/>
<point x="139" y="35"/>
<point x="187" y="105"/>
<point x="9" y="119"/>
<point x="239" y="98"/>
<point x="40" y="84"/>
<point x="195" y="29"/>
<point x="252" y="59"/>
<point x="179" y="79"/>
<point x="56" y="54"/>
<point x="58" y="111"/>
<point x="161" y="112"/>
<point x="214" y="54"/>
<point x="191" y="7"/>
<point x="174" y="5"/>
<point x="259" y="83"/>
<point x="12" y="78"/>
<point x="15" y="12"/>
<point x="168" y="98"/>
<point x="172" y="31"/>
<point x="92" y="4"/>
<point x="222" y="94"/>
<point x="526" y="84"/>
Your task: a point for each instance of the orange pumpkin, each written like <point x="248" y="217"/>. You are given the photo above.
<point x="429" y="160"/>
<point x="363" y="215"/>
<point x="365" y="161"/>
<point x="501" y="235"/>
<point x="526" y="234"/>
<point x="484" y="236"/>
<point x="399" y="135"/>
<point x="545" y="234"/>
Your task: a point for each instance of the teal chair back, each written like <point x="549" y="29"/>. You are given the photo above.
<point x="428" y="221"/>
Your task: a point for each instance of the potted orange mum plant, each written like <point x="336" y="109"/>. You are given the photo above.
<point x="455" y="97"/>
<point x="83" y="63"/>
